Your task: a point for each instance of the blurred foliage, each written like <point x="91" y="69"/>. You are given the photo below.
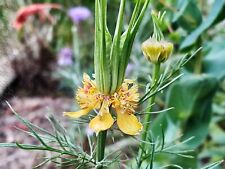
<point x="193" y="96"/>
<point x="198" y="97"/>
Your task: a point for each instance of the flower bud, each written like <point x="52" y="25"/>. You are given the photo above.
<point x="157" y="51"/>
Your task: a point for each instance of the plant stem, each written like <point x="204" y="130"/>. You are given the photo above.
<point x="147" y="116"/>
<point x="101" y="147"/>
<point x="198" y="61"/>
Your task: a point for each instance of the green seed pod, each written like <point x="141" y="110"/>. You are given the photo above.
<point x="157" y="51"/>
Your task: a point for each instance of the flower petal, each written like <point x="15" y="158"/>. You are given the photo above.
<point x="77" y="114"/>
<point x="101" y="122"/>
<point x="128" y="123"/>
<point x="33" y="9"/>
<point x="104" y="120"/>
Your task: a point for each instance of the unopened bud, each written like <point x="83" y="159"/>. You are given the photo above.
<point x="157" y="51"/>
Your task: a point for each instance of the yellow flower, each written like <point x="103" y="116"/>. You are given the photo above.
<point x="124" y="101"/>
<point x="157" y="51"/>
<point x="87" y="98"/>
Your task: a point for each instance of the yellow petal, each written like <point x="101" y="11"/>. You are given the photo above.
<point x="128" y="123"/>
<point x="104" y="120"/>
<point x="101" y="122"/>
<point x="78" y="113"/>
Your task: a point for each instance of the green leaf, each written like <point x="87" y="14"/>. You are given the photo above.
<point x="187" y="162"/>
<point x="7" y="145"/>
<point x="213" y="64"/>
<point x="191" y="98"/>
<point x="107" y="64"/>
<point x="213" y="152"/>
<point x="130" y="36"/>
<point x="116" y="50"/>
<point x="216" y="14"/>
<point x="217" y="134"/>
<point x="189" y="16"/>
<point x="97" y="51"/>
<point x="102" y="47"/>
<point x="213" y="165"/>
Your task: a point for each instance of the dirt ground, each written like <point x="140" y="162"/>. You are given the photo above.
<point x="35" y="110"/>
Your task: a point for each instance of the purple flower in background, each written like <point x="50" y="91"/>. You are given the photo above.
<point x="65" y="57"/>
<point x="79" y="14"/>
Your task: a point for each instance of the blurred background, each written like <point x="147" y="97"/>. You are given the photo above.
<point x="42" y="63"/>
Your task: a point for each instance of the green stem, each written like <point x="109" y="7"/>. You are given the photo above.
<point x="76" y="49"/>
<point x="147" y="117"/>
<point x="198" y="61"/>
<point x="101" y="147"/>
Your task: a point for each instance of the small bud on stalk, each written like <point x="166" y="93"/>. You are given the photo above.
<point x="157" y="51"/>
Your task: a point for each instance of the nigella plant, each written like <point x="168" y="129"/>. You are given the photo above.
<point x="109" y="90"/>
<point x="113" y="98"/>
